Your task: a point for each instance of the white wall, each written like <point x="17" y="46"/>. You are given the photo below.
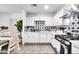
<point x="10" y="19"/>
<point x="57" y="19"/>
<point x="14" y="18"/>
<point x="4" y="19"/>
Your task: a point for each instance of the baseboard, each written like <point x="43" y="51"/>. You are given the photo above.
<point x="28" y="43"/>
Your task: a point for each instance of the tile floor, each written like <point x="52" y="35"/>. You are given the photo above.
<point x="35" y="49"/>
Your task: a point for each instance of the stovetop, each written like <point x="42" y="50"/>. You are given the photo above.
<point x="67" y="37"/>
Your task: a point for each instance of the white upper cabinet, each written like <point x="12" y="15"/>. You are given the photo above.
<point x="48" y="18"/>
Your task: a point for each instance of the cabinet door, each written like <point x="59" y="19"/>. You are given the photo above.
<point x="42" y="37"/>
<point x="49" y="37"/>
<point x="75" y="47"/>
<point x="45" y="37"/>
<point x="25" y="37"/>
<point x="56" y="45"/>
<point x="75" y="50"/>
<point x="31" y="37"/>
<point x="35" y="37"/>
<point x="28" y="37"/>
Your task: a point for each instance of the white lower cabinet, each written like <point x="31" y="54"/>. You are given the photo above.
<point x="56" y="45"/>
<point x="75" y="46"/>
<point x="36" y="37"/>
<point x="31" y="37"/>
<point x="44" y="37"/>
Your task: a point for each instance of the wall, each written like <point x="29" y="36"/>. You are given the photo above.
<point x="12" y="21"/>
<point x="4" y="19"/>
<point x="9" y="19"/>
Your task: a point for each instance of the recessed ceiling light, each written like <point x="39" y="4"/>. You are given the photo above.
<point x="46" y="7"/>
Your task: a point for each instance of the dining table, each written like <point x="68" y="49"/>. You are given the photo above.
<point x="4" y="40"/>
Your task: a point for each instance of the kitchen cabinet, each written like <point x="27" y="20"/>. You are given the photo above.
<point x="37" y="37"/>
<point x="56" y="45"/>
<point x="75" y="46"/>
<point x="31" y="37"/>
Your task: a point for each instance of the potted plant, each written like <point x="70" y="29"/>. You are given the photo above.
<point x="19" y="27"/>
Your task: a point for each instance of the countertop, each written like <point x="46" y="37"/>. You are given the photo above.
<point x="67" y="37"/>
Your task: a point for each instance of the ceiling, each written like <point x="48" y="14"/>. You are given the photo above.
<point x="11" y="8"/>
